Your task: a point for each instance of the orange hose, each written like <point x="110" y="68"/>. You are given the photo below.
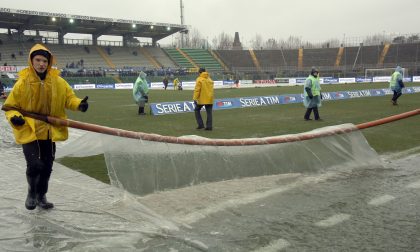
<point x="388" y="119"/>
<point x="212" y="142"/>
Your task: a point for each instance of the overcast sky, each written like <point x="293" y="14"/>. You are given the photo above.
<point x="310" y="20"/>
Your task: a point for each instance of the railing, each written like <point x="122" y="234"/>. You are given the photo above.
<point x="376" y="39"/>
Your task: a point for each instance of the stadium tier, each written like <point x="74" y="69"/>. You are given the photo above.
<point x="180" y="58"/>
<point x="203" y="58"/>
<point x="116" y="62"/>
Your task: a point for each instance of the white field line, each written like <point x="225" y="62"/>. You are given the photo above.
<point x="274" y="246"/>
<point x="333" y="220"/>
<point x="201" y="214"/>
<point x="381" y="200"/>
<point x="414" y="185"/>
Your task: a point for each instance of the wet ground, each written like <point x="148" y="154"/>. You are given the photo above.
<point x="374" y="209"/>
<point x="361" y="209"/>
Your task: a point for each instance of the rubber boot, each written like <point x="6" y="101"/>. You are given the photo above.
<point x="43" y="202"/>
<point x="198" y="118"/>
<point x="42" y="190"/>
<point x="396" y="98"/>
<point x="316" y="114"/>
<point x="308" y="114"/>
<point x="30" y="202"/>
<point x="141" y="111"/>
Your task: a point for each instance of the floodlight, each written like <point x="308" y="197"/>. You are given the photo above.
<point x="53" y="19"/>
<point x="71" y="20"/>
<point x="133" y="25"/>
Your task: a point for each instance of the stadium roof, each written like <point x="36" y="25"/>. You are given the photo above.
<point x="22" y="20"/>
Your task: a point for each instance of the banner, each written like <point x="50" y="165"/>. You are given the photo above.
<point x="363" y="80"/>
<point x="346" y="80"/>
<point x="83" y="86"/>
<point x="282" y="80"/>
<point x="246" y="81"/>
<point x="124" y="85"/>
<point x="228" y="82"/>
<point x="265" y="82"/>
<point x="330" y="80"/>
<point x="185" y="84"/>
<point x="407" y="79"/>
<point x="166" y="108"/>
<point x="92" y="18"/>
<point x="105" y="86"/>
<point x="300" y="80"/>
<point x="382" y="79"/>
<point x="11" y="69"/>
<point x="159" y="85"/>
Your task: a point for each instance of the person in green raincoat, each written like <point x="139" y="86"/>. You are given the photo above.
<point x="312" y="95"/>
<point x="141" y="92"/>
<point x="396" y="84"/>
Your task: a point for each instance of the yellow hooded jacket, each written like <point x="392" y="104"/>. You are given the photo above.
<point x="203" y="91"/>
<point x="48" y="97"/>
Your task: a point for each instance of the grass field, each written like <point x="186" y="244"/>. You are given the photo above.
<point x="116" y="108"/>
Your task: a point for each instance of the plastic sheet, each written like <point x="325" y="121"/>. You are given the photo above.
<point x="143" y="167"/>
<point x="180" y="186"/>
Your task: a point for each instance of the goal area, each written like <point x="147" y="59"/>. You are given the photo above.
<point x="381" y="72"/>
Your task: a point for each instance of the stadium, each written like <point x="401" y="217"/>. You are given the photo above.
<point x="263" y="180"/>
<point x="99" y="61"/>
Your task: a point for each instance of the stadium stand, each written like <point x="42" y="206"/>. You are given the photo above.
<point x="108" y="64"/>
<point x="71" y="56"/>
<point x="269" y="58"/>
<point x="123" y="57"/>
<point x="160" y="56"/>
<point x="12" y="54"/>
<point x="203" y="58"/>
<point x="93" y="60"/>
<point x="179" y="59"/>
<point x="402" y="54"/>
<point x="350" y="55"/>
<point x="236" y="58"/>
<point x="369" y="55"/>
<point x="324" y="57"/>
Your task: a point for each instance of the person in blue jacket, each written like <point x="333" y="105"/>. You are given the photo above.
<point x="396" y="84"/>
<point x="312" y="93"/>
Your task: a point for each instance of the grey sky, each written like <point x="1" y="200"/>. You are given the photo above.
<point x="310" y="20"/>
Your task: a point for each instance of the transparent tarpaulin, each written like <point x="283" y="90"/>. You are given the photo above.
<point x="158" y="189"/>
<point x="88" y="215"/>
<point x="142" y="167"/>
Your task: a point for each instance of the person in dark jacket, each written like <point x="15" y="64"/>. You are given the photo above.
<point x="165" y="82"/>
